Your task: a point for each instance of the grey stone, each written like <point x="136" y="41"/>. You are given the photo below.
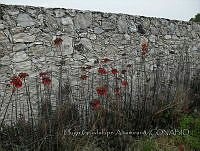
<point x="20" y="56"/>
<point x="86" y="43"/>
<point x="24" y="20"/>
<point x="17" y="30"/>
<point x="111" y="50"/>
<point x="122" y="25"/>
<point x="24" y="37"/>
<point x="67" y="21"/>
<point x="152" y="38"/>
<point x="98" y="30"/>
<point x="127" y="37"/>
<point x="3" y="37"/>
<point x="92" y="36"/>
<point x="19" y="47"/>
<point x="133" y="28"/>
<point x="6" y="60"/>
<point x="83" y="21"/>
<point x="37" y="51"/>
<point x="154" y="30"/>
<point x="108" y="25"/>
<point x="2" y="26"/>
<point x="175" y="37"/>
<point x="172" y="27"/>
<point x="167" y="36"/>
<point x="83" y="35"/>
<point x="13" y="12"/>
<point x="117" y="37"/>
<point x="23" y="66"/>
<point x="32" y="11"/>
<point x="67" y="45"/>
<point x="59" y="12"/>
<point x="51" y="22"/>
<point x="2" y="52"/>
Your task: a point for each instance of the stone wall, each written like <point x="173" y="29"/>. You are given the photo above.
<point x="27" y="37"/>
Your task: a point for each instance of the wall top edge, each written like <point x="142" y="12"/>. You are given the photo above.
<point x="84" y="11"/>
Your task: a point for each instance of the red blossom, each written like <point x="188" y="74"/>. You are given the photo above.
<point x="124" y="83"/>
<point x="180" y="148"/>
<point x="16" y="81"/>
<point x="58" y="41"/>
<point x="43" y="74"/>
<point x="117" y="78"/>
<point x="123" y="71"/>
<point x="185" y="108"/>
<point x="23" y="75"/>
<point x="95" y="104"/>
<point x="144" y="49"/>
<point x="114" y="71"/>
<point x="117" y="90"/>
<point x="84" y="77"/>
<point x="106" y="60"/>
<point x="144" y="46"/>
<point x="46" y="80"/>
<point x="102" y="70"/>
<point x="102" y="90"/>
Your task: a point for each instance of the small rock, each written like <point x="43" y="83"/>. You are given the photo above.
<point x="98" y="30"/>
<point x="127" y="37"/>
<point x="59" y="13"/>
<point x="92" y="36"/>
<point x="24" y="20"/>
<point x="23" y="37"/>
<point x="67" y="45"/>
<point x="3" y="37"/>
<point x="168" y="37"/>
<point x="18" y="47"/>
<point x="82" y="21"/>
<point x="122" y="25"/>
<point x="20" y="56"/>
<point x="152" y="38"/>
<point x="67" y="21"/>
<point x="86" y="43"/>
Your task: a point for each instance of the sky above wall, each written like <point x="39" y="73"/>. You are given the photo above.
<point x="171" y="9"/>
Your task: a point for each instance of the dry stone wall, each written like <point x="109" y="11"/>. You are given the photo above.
<point x="27" y="37"/>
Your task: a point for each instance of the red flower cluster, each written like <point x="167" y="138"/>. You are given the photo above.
<point x="84" y="77"/>
<point x="185" y="108"/>
<point x="46" y="80"/>
<point x="102" y="70"/>
<point x="23" y="75"/>
<point x="16" y="81"/>
<point x="95" y="104"/>
<point x="117" y="90"/>
<point x="117" y="78"/>
<point x="124" y="83"/>
<point x="144" y="49"/>
<point x="180" y="148"/>
<point x="114" y="71"/>
<point x="102" y="90"/>
<point x="43" y="74"/>
<point x="106" y="60"/>
<point x="58" y="41"/>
